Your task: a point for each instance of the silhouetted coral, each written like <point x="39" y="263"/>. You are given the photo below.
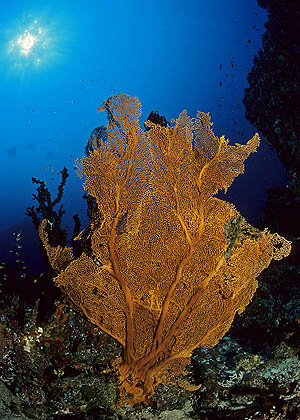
<point x="155" y="118"/>
<point x="96" y="139"/>
<point x="45" y="209"/>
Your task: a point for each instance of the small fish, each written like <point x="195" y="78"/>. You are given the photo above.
<point x="220" y="83"/>
<point x="12" y="151"/>
<point x="220" y="66"/>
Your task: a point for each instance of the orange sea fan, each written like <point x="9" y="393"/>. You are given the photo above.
<point x="174" y="263"/>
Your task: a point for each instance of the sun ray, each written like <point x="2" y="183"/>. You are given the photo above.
<point x="31" y="43"/>
<point x="35" y="41"/>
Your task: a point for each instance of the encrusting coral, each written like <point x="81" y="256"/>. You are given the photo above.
<point x="170" y="264"/>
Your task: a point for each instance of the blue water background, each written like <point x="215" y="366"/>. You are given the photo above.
<point x="172" y="55"/>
